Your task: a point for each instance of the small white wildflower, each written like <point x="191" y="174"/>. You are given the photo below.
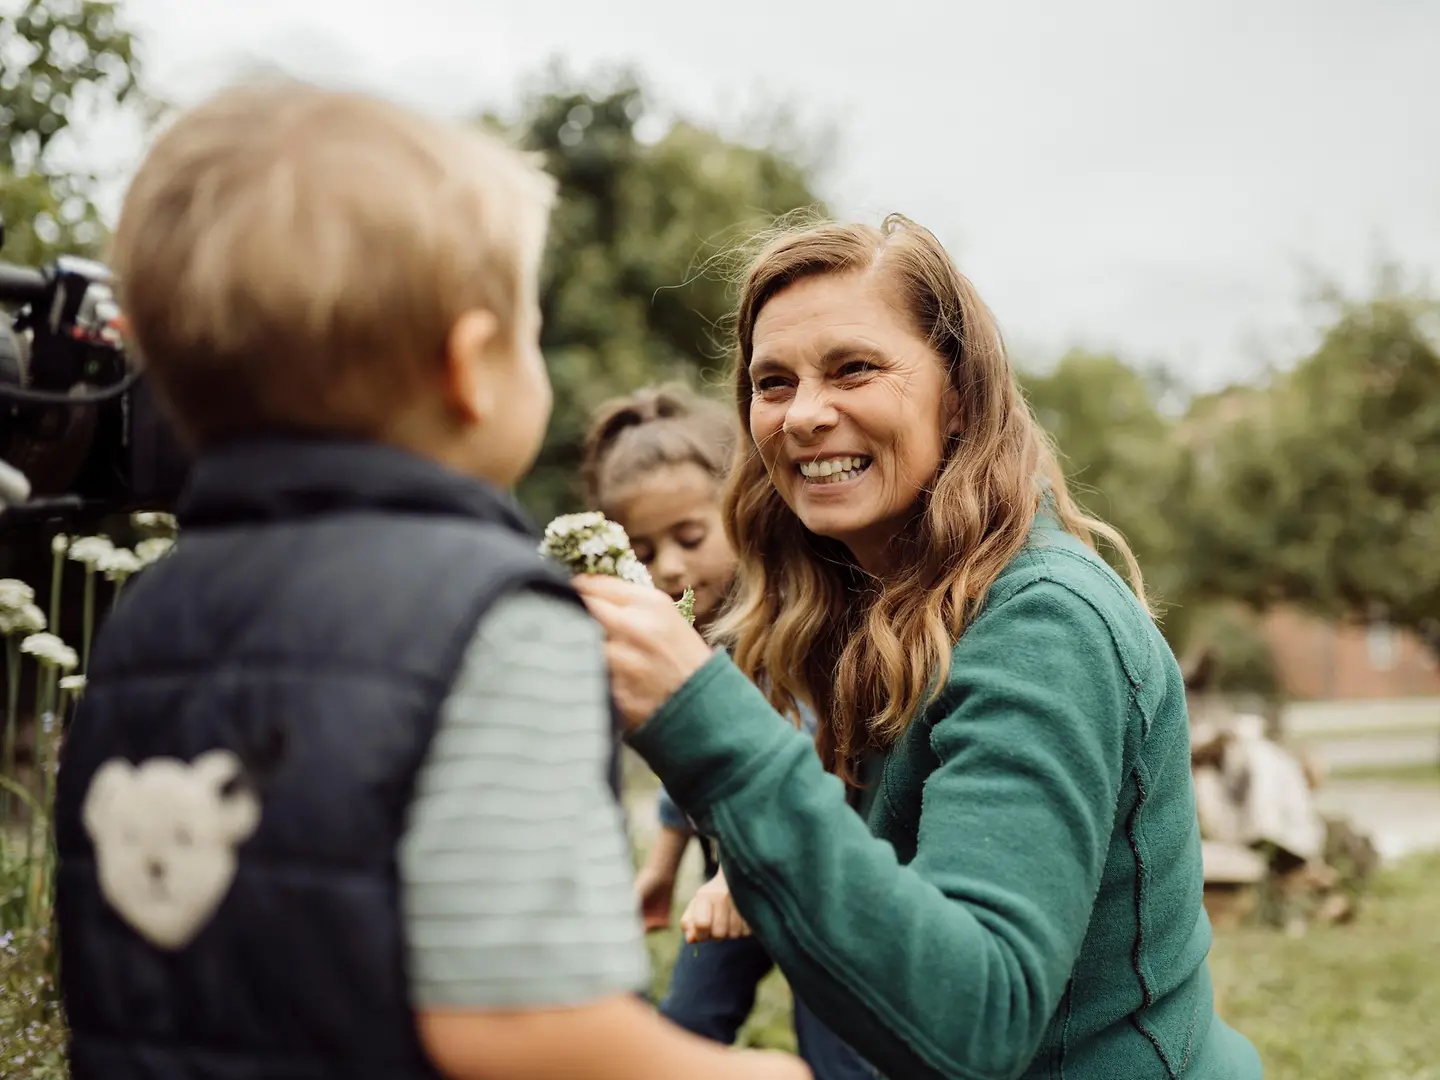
<point x="25" y="619"/>
<point x="50" y="651"/>
<point x="154" y="521"/>
<point x="59" y="544"/>
<point x="605" y="565"/>
<point x="73" y="684"/>
<point x="632" y="569"/>
<point x="615" y="536"/>
<point x="152" y="550"/>
<point x="90" y="550"/>
<point x="119" y="563"/>
<point x="15" y="594"/>
<point x="594" y="546"/>
<point x="568" y="524"/>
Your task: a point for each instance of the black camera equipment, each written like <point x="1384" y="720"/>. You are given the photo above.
<point x="77" y="419"/>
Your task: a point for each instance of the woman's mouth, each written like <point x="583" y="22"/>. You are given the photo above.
<point x="833" y="470"/>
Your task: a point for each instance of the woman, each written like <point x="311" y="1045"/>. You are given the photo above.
<point x="1020" y="893"/>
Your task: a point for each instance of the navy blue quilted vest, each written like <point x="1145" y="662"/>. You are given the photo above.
<point x="310" y="620"/>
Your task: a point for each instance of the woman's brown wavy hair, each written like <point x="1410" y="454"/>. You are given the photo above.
<point x="804" y="621"/>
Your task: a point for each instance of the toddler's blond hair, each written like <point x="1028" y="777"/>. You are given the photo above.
<point x="290" y="257"/>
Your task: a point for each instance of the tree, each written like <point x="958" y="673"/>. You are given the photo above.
<point x="57" y="59"/>
<point x="1120" y="456"/>
<point x="631" y="290"/>
<point x="1326" y="492"/>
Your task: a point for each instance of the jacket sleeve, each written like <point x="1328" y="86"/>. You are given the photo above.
<point x="952" y="965"/>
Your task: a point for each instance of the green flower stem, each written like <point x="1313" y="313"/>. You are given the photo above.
<point x="89" y="617"/>
<point x="41" y="681"/>
<point x="57" y="575"/>
<point x="50" y="761"/>
<point x="12" y="717"/>
<point x="38" y="846"/>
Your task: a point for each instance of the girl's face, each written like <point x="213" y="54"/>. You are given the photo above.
<point x="850" y="410"/>
<point x="673" y="517"/>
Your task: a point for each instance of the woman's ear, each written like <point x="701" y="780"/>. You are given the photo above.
<point x="950" y="406"/>
<point x="471" y="386"/>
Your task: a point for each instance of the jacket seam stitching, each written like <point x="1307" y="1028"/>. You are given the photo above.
<point x="1146" y="993"/>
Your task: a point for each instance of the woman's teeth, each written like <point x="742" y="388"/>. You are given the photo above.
<point x="834" y="470"/>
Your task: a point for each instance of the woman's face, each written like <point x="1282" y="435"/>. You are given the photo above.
<point x="673" y="517"/>
<point x="850" y="409"/>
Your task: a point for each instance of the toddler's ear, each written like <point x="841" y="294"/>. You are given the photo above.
<point x="469" y="376"/>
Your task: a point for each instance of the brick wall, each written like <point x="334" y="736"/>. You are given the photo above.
<point x="1320" y="660"/>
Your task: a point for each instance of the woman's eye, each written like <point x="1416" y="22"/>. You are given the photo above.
<point x="644" y="554"/>
<point x="691" y="541"/>
<point x="770" y="384"/>
<point x="855" y="368"/>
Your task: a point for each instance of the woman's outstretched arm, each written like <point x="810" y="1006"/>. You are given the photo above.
<point x="952" y="965"/>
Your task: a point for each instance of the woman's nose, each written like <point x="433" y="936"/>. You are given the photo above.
<point x="810" y="414"/>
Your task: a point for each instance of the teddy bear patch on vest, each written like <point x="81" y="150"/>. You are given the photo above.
<point x="165" y="835"/>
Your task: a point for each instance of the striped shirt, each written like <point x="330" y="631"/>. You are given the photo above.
<point x="518" y="883"/>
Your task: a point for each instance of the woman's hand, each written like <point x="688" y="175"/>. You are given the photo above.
<point x="712" y="915"/>
<point x="649" y="646"/>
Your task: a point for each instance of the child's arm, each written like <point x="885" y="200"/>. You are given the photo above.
<point x="655" y="883"/>
<point x="617" y="1038"/>
<point x="524" y="940"/>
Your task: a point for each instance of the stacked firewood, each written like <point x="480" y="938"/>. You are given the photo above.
<point x="1269" y="855"/>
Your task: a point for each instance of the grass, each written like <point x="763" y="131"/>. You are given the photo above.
<point x="1354" y="1002"/>
<point x="32" y="1026"/>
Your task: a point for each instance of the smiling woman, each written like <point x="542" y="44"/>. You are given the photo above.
<point x="1019" y="895"/>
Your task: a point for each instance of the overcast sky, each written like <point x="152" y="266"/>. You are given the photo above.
<point x="1154" y="177"/>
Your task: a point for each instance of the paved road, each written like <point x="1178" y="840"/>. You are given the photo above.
<point x="1400" y="818"/>
<point x="1368" y="751"/>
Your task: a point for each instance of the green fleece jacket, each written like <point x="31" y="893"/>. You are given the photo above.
<point x="1020" y="896"/>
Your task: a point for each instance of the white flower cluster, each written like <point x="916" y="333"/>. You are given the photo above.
<point x="151" y="550"/>
<point x="91" y="551"/>
<point x="590" y="543"/>
<point x="50" y="651"/>
<point x="18" y="613"/>
<point x="164" y="525"/>
<point x="98" y="554"/>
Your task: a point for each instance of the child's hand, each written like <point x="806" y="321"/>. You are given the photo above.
<point x="773" y="1065"/>
<point x="656" y="891"/>
<point x="712" y="915"/>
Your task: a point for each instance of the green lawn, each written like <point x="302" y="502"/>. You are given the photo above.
<point x="1356" y="1002"/>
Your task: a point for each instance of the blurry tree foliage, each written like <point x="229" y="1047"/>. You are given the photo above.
<point x="635" y="286"/>
<point x="60" y="60"/>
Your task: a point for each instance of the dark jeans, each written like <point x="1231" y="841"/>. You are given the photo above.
<point x="712" y="990"/>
